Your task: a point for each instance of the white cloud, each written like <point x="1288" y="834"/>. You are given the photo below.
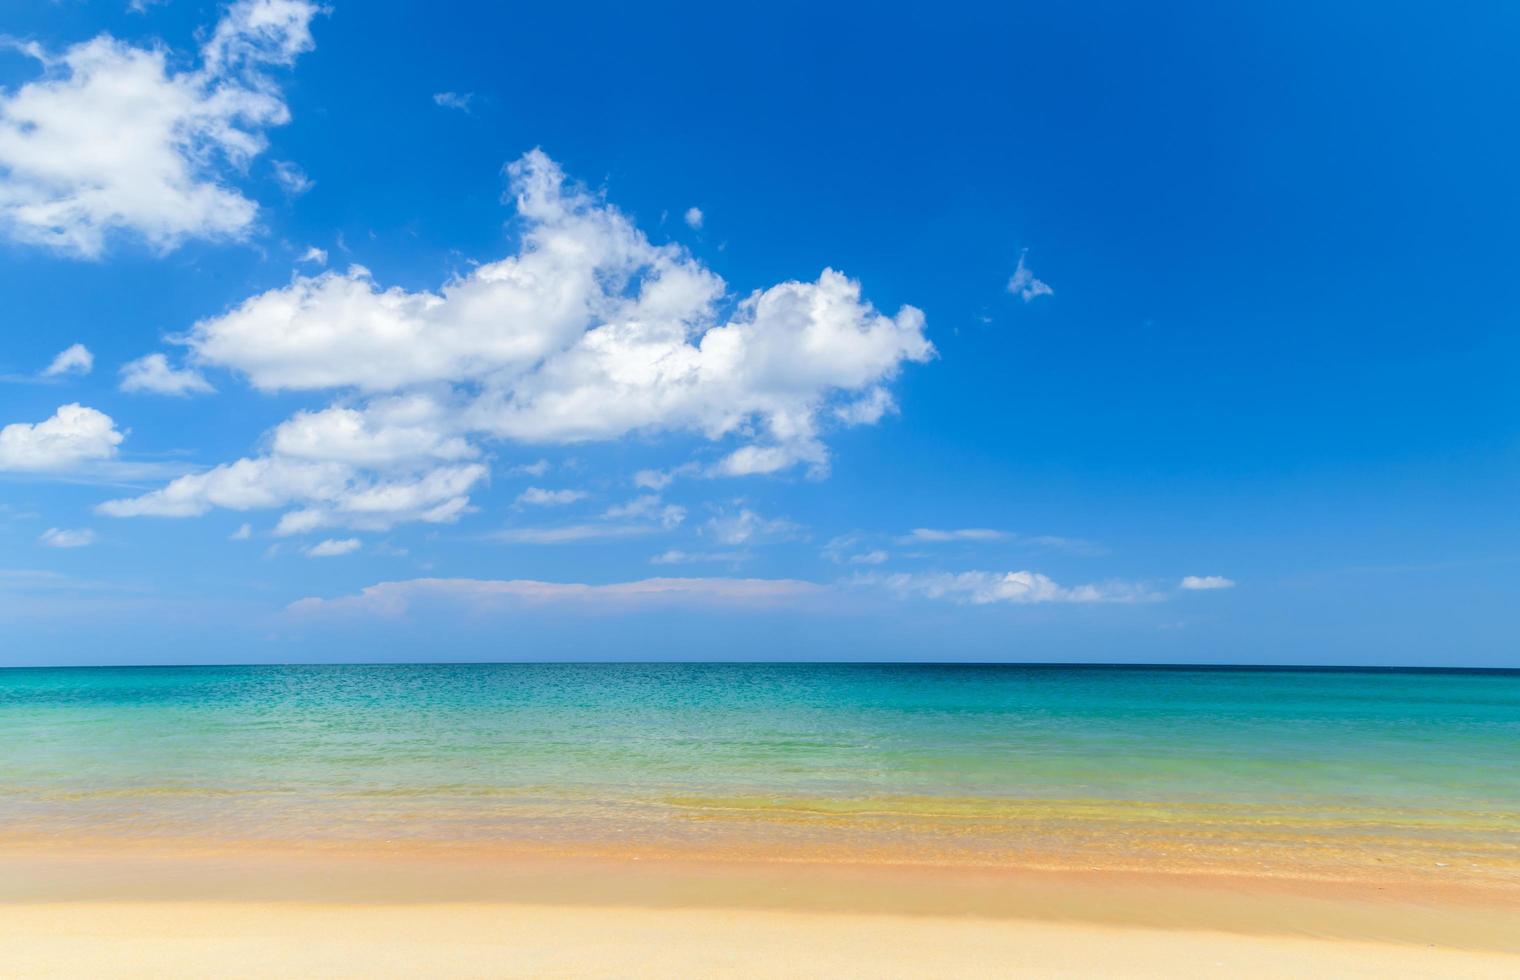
<point x="111" y="140"/>
<point x="454" y="100"/>
<point x="753" y="460"/>
<point x="675" y="556"/>
<point x="1040" y="542"/>
<point x="243" y="533"/>
<point x="537" y="468"/>
<point x="847" y="549"/>
<point x="649" y="507"/>
<point x="57" y="537"/>
<point x="153" y="373"/>
<point x="388" y="431"/>
<point x="76" y="359"/>
<point x="694" y="217"/>
<point x="660" y="479"/>
<point x="746" y="525"/>
<point x="539" y="497"/>
<point x="589" y="332"/>
<point x="867" y="410"/>
<point x="333" y="548"/>
<point x="930" y="535"/>
<point x="1024" y="285"/>
<point x="329" y="493"/>
<point x="74" y="435"/>
<point x="985" y="588"/>
<point x="394" y="598"/>
<point x="1200" y="582"/>
<point x="292" y="178"/>
<point x="314" y="255"/>
<point x="571" y="533"/>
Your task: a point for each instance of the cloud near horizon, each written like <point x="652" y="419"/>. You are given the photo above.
<point x="978" y="588"/>
<point x="396" y="598"/>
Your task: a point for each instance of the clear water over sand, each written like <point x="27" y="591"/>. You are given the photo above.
<point x="1318" y="774"/>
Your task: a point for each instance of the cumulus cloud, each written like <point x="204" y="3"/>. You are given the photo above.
<point x="589" y="332"/>
<point x="314" y="255"/>
<point x="1024" y="285"/>
<point x="388" y="431"/>
<point x="1024" y="587"/>
<point x="394" y="598"/>
<point x="111" y="140"/>
<point x="74" y="435"/>
<point x="57" y="537"/>
<point x="334" y="547"/>
<point x="1202" y="582"/>
<point x="75" y="359"/>
<point x="694" y="217"/>
<point x="539" y="497"/>
<point x="153" y="373"/>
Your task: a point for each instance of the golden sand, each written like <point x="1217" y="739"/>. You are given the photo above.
<point x="186" y="912"/>
<point x="293" y="939"/>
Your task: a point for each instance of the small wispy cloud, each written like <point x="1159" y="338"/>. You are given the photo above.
<point x="538" y="468"/>
<point x="745" y="525"/>
<point x="57" y="537"/>
<point x="693" y="218"/>
<point x="648" y="507"/>
<point x="1205" y="582"/>
<point x="314" y="255"/>
<point x="571" y="533"/>
<point x="334" y="547"/>
<point x="454" y="100"/>
<point x="75" y="359"/>
<point x="932" y="535"/>
<point x="292" y="178"/>
<point x="984" y="535"/>
<point x="154" y="374"/>
<point x="539" y="497"/>
<point x="675" y="556"/>
<point x="1023" y="283"/>
<point x="849" y="549"/>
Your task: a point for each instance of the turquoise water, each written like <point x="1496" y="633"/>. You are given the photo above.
<point x="979" y="760"/>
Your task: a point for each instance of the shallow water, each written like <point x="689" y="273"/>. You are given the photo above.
<point x="1321" y="769"/>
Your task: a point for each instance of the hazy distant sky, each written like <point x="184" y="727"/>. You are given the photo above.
<point x="950" y="332"/>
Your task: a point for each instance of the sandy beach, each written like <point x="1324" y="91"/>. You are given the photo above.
<point x="138" y="912"/>
<point x="251" y="939"/>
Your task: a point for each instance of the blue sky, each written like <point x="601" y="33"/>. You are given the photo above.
<point x="508" y="334"/>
